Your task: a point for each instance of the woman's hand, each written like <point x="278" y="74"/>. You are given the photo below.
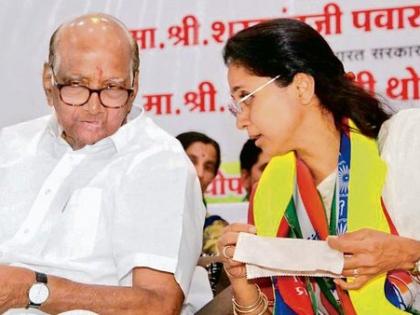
<point x="369" y="253"/>
<point x="226" y="246"/>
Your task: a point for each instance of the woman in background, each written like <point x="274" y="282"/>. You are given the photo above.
<point x="291" y="94"/>
<point x="204" y="153"/>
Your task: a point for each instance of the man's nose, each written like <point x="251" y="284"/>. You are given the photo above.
<point x="94" y="105"/>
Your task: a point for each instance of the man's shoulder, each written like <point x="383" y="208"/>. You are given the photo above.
<point x="22" y="133"/>
<point x="148" y="136"/>
<point x="158" y="135"/>
<point x="145" y="145"/>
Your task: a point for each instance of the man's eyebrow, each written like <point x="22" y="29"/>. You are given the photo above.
<point x="119" y="81"/>
<point x="80" y="78"/>
<point x="71" y="77"/>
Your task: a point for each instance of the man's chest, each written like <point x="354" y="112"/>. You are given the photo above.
<point x="53" y="207"/>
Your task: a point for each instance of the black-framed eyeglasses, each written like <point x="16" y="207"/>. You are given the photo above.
<point x="74" y="94"/>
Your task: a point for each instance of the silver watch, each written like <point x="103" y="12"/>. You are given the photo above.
<point x="38" y="292"/>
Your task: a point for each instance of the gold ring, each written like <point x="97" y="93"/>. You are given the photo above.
<point x="230" y="275"/>
<point x="224" y="254"/>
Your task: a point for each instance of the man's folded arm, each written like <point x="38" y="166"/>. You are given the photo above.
<point x="152" y="292"/>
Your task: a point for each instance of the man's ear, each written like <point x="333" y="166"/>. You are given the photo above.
<point x="47" y="83"/>
<point x="305" y="87"/>
<point x="135" y="91"/>
<point x="136" y="83"/>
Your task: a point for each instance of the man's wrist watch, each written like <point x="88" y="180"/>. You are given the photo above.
<point x="38" y="292"/>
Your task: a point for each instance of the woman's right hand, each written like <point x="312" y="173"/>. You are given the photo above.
<point x="226" y="246"/>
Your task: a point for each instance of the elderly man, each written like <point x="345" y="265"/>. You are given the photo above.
<point x="98" y="212"/>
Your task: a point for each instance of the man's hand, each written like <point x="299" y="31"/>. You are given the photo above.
<point x="369" y="253"/>
<point x="14" y="286"/>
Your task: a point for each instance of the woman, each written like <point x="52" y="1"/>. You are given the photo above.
<point x="291" y="94"/>
<point x="204" y="153"/>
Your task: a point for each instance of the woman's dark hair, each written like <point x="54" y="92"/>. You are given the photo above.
<point x="190" y="137"/>
<point x="286" y="47"/>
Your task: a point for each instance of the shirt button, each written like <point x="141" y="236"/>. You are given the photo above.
<point x="47" y="192"/>
<point x="26" y="231"/>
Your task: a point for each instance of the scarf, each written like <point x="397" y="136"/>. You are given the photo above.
<point x="287" y="204"/>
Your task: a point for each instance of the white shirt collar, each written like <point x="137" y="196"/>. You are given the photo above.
<point x="125" y="133"/>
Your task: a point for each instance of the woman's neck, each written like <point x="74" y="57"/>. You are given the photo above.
<point x="320" y="150"/>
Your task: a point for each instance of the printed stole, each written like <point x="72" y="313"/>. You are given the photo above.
<point x="286" y="186"/>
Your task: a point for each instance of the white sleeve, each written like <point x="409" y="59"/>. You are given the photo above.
<point x="158" y="217"/>
<point x="399" y="142"/>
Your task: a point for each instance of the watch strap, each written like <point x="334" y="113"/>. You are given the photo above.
<point x="39" y="278"/>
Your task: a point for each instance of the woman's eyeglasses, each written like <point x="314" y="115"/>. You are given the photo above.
<point x="235" y="106"/>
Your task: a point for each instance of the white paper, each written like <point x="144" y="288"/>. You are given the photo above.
<point x="276" y="256"/>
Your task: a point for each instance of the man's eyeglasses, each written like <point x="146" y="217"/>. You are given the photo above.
<point x="74" y="94"/>
<point x="235" y="106"/>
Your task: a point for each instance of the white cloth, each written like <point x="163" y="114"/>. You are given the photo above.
<point x="399" y="142"/>
<point x="92" y="215"/>
<point x="288" y="257"/>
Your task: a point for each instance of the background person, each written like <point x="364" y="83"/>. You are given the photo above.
<point x="204" y="153"/>
<point x="252" y="163"/>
